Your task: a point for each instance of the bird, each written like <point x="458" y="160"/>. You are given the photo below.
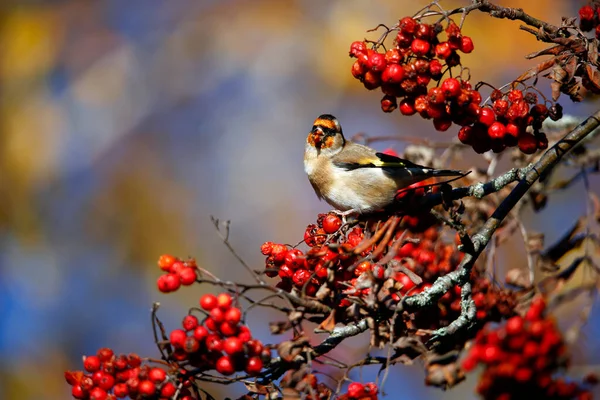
<point x="353" y="178"/>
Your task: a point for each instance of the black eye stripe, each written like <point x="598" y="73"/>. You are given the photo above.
<point x="326" y="131"/>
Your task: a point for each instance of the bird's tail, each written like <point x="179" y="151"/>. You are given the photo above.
<point x="447" y="172"/>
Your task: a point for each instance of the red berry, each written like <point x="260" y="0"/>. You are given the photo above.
<point x="208" y="301"/>
<point x="357" y="48"/>
<point x="104" y="354"/>
<point x="244" y="334"/>
<point x="133" y="360"/>
<point x="356" y="390"/>
<point x="357" y="70"/>
<point x="168" y="390"/>
<point x="217" y="315"/>
<point x="191" y="345"/>
<point x="435" y="69"/>
<point x="393" y="56"/>
<point x="388" y="104"/>
<point x="435" y="95"/>
<point x="465" y="134"/>
<point x="469" y="363"/>
<point x="451" y="87"/>
<point x="586" y="13"/>
<point x="200" y="333"/>
<point x="487" y="116"/>
<point x="301" y="277"/>
<point x="393" y="73"/>
<point x="255" y="347"/>
<point x="278" y="252"/>
<point x="228" y="329"/>
<point x="527" y="143"/>
<point x="177" y="338"/>
<point x="177" y="266"/>
<point x="225" y="365"/>
<point x="97" y="394"/>
<point x="172" y="282"/>
<point x="408" y="25"/>
<point x="91" y="363"/>
<point x="331" y="223"/>
<point x="165" y="262"/>
<point x="106" y="382"/>
<point x="404" y="40"/>
<point x="120" y="390"/>
<point x="490" y="354"/>
<point x="157" y="375"/>
<point x="497" y="130"/>
<point x="266" y="248"/>
<point x="285" y="272"/>
<point x="466" y="45"/>
<point x="515" y="95"/>
<point x="407" y="106"/>
<point x="501" y="107"/>
<point x="442" y="124"/>
<point x="78" y="392"/>
<point x="371" y="80"/>
<point x="190" y="322"/>
<point x="210" y="324"/>
<point x="162" y="285"/>
<point x="254" y="365"/>
<point x="214" y="343"/>
<point x="233" y="315"/>
<point x="187" y="276"/>
<point x="514" y="325"/>
<point x="295" y="259"/>
<point x="420" y="47"/>
<point x="224" y="301"/>
<point x="377" y="62"/>
<point x="523" y="375"/>
<point x="443" y="50"/>
<point x="372" y="390"/>
<point x="233" y="346"/>
<point x="424" y="31"/>
<point x="146" y="388"/>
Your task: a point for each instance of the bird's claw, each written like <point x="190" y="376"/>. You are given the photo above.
<point x="344" y="214"/>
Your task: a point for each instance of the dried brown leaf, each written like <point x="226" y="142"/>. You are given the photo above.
<point x="289" y="349"/>
<point x="570" y="67"/>
<point x="277" y="328"/>
<point x="593" y="52"/>
<point x="558" y="74"/>
<point x="329" y="323"/>
<point x="253" y="387"/>
<point x="554" y="50"/>
<point x="594" y="77"/>
<point x="555" y="90"/>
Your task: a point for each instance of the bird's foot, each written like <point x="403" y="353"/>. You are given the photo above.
<point x="344" y="214"/>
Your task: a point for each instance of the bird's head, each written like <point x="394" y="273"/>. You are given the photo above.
<point x="326" y="135"/>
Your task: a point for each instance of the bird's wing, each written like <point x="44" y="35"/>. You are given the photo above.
<point x="355" y="156"/>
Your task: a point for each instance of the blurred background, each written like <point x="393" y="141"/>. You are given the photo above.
<point x="124" y="125"/>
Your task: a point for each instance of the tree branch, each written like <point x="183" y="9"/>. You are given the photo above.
<point x="480" y="240"/>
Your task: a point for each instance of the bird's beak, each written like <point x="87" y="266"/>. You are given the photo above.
<point x="317" y="134"/>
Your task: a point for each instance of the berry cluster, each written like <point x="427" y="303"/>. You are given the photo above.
<point x="420" y="57"/>
<point x="589" y="19"/>
<point x="492" y="302"/>
<point x="108" y="376"/>
<point x="521" y="359"/>
<point x="221" y="342"/>
<point x="178" y="272"/>
<point x="505" y="123"/>
<point x="349" y="267"/>
<point x="307" y="272"/>
<point x="360" y="391"/>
